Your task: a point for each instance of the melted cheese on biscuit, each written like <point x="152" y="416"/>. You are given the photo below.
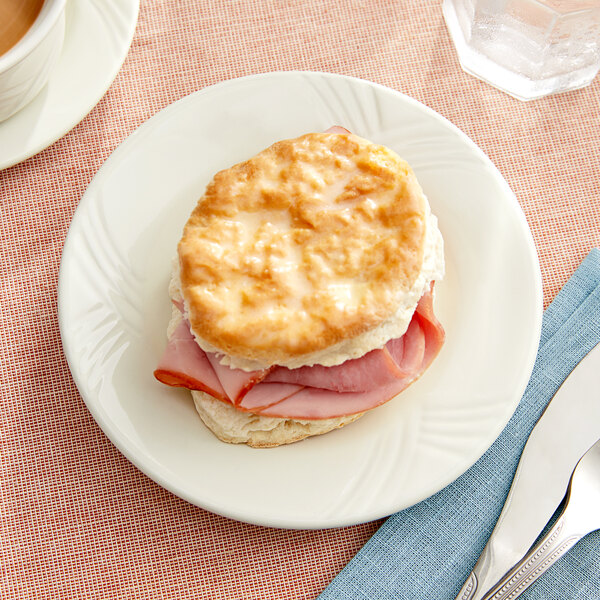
<point x="309" y="245"/>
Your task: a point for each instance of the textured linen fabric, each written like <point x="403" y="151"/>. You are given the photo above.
<point x="428" y="550"/>
<point x="77" y="520"/>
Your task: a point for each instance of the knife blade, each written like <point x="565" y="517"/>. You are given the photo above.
<point x="568" y="427"/>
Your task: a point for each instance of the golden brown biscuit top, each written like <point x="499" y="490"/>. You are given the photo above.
<point x="307" y="244"/>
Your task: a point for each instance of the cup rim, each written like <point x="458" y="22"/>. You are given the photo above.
<point x="34" y="35"/>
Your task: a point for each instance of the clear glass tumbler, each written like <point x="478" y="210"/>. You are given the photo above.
<point x="527" y="48"/>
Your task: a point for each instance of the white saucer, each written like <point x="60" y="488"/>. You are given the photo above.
<point x="97" y="38"/>
<point x="114" y="307"/>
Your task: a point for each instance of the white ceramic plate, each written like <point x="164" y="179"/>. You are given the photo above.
<point x="98" y="34"/>
<point x="114" y="307"/>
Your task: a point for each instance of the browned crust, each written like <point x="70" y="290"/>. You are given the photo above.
<point x="366" y="238"/>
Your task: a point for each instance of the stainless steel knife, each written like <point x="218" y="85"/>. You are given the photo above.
<point x="569" y="426"/>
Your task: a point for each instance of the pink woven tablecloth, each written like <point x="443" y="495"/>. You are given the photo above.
<point x="77" y="519"/>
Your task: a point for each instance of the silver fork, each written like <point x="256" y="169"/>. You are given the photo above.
<point x="580" y="516"/>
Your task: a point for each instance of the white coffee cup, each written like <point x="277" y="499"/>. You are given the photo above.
<point x="26" y="67"/>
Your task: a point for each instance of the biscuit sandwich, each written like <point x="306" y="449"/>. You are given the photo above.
<point x="302" y="291"/>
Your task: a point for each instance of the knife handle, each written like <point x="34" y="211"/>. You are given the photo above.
<point x="542" y="556"/>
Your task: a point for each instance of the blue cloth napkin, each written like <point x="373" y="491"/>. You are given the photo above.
<point x="427" y="551"/>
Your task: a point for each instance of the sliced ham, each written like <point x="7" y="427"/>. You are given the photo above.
<point x="337" y="129"/>
<point x="432" y="328"/>
<point x="313" y="403"/>
<point x="374" y="369"/>
<point x="185" y="364"/>
<point x="315" y="392"/>
<point x="264" y="395"/>
<point x="235" y="382"/>
<point x="409" y="350"/>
